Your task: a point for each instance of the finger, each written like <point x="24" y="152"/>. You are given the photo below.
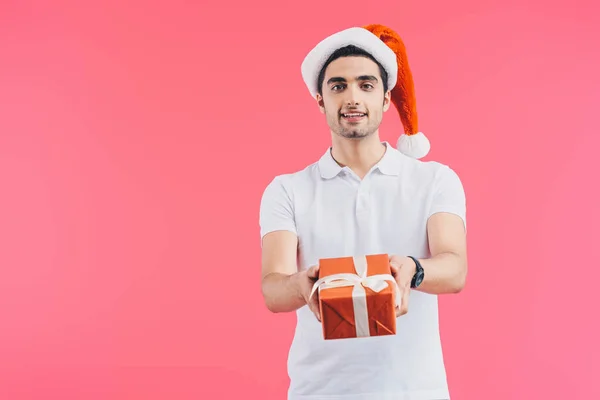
<point x="313" y="305"/>
<point x="399" y="307"/>
<point x="315" y="309"/>
<point x="405" y="298"/>
<point x="403" y="307"/>
<point x="400" y="310"/>
<point x="393" y="269"/>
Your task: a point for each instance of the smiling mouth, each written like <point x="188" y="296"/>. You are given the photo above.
<point x="353" y="115"/>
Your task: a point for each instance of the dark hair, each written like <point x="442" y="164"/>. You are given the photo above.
<point x="350" y="51"/>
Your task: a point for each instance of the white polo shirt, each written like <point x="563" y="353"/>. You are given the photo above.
<point x="335" y="214"/>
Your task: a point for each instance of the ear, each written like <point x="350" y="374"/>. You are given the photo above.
<point x="387" y="100"/>
<point x="320" y="102"/>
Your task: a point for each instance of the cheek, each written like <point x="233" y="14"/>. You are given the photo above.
<point x="331" y="109"/>
<point x="375" y="109"/>
<point x="329" y="105"/>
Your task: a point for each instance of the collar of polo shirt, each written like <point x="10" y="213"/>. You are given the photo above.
<point x="389" y="164"/>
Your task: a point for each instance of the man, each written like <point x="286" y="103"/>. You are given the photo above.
<point x="365" y="197"/>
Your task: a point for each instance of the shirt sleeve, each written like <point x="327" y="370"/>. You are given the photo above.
<point x="276" y="208"/>
<point x="449" y="194"/>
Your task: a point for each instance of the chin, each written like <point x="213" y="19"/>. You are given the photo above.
<point x="354" y="135"/>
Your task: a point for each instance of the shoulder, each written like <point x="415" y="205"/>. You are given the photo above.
<point x="429" y="167"/>
<point x="288" y="183"/>
<point x="278" y="202"/>
<point x="433" y="173"/>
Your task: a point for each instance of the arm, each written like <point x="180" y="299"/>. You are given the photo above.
<point x="446" y="269"/>
<point x="284" y="288"/>
<point x="280" y="287"/>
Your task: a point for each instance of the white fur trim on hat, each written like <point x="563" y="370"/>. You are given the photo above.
<point x="416" y="146"/>
<point x="359" y="37"/>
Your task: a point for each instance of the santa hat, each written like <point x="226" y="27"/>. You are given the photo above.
<point x="388" y="49"/>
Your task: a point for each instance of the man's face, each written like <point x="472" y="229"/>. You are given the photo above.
<point x="353" y="99"/>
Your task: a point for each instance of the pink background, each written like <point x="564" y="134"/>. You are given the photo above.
<point x="129" y="185"/>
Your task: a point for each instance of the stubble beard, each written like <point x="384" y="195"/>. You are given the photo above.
<point x="353" y="133"/>
<point x="348" y="131"/>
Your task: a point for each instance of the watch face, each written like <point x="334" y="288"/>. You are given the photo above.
<point x="419" y="278"/>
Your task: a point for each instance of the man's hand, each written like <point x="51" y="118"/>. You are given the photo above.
<point x="403" y="270"/>
<point x="304" y="281"/>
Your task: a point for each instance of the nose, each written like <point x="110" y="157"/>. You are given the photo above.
<point x="352" y="96"/>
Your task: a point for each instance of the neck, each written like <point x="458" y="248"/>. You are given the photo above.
<point x="359" y="155"/>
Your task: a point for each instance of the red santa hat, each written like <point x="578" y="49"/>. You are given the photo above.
<point x="388" y="49"/>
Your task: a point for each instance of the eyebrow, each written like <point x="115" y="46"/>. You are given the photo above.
<point x="359" y="78"/>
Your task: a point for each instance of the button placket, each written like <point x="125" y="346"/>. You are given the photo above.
<point x="363" y="208"/>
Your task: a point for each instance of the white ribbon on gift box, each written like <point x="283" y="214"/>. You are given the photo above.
<point x="359" y="281"/>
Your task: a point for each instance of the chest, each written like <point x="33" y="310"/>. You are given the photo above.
<point x="342" y="218"/>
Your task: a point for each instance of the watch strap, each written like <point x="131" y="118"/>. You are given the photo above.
<point x="419" y="272"/>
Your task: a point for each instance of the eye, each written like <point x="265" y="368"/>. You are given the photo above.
<point x="336" y="87"/>
<point x="368" y="85"/>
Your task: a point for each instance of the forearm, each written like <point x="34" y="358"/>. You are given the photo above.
<point x="444" y="273"/>
<point x="281" y="292"/>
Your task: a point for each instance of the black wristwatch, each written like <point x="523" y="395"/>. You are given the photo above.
<point x="419" y="274"/>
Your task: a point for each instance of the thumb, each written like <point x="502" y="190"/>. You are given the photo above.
<point x="313" y="272"/>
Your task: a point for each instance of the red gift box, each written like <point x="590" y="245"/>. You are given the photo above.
<point x="357" y="296"/>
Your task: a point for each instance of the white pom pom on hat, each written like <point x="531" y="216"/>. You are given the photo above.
<point x="388" y="49"/>
<point x="416" y="145"/>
